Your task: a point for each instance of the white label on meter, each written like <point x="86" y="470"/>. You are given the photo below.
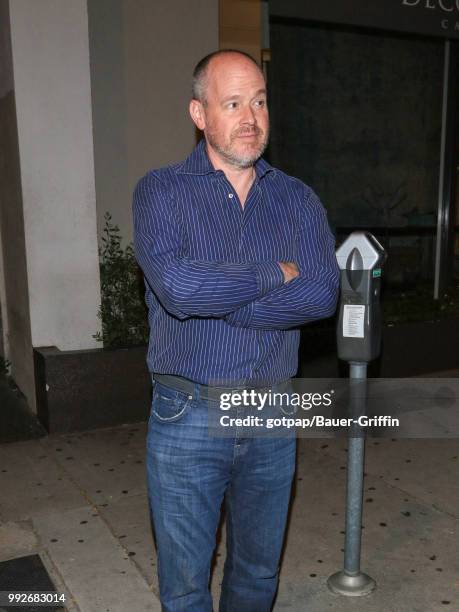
<point x="353" y="320"/>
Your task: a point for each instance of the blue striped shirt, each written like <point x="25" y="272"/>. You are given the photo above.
<point x="219" y="310"/>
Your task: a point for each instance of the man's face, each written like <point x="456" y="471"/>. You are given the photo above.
<point x="234" y="114"/>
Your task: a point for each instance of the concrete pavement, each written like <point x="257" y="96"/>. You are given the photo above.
<point x="80" y="501"/>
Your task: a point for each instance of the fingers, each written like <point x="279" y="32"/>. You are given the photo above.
<point x="289" y="269"/>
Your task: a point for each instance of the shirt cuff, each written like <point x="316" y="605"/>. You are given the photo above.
<point x="269" y="276"/>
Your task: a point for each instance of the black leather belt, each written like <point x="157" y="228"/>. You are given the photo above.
<point x="214" y="393"/>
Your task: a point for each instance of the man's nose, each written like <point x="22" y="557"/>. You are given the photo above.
<point x="248" y="115"/>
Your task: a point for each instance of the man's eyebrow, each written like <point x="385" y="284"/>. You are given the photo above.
<point x="238" y="97"/>
<point x="233" y="97"/>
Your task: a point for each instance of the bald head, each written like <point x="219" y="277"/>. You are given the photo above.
<point x="215" y="61"/>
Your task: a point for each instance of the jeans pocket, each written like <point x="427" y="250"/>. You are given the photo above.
<point x="288" y="410"/>
<point x="169" y="405"/>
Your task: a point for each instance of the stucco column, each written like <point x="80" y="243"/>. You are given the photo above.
<point x="52" y="91"/>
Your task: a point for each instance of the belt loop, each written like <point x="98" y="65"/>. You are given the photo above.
<point x="197" y="392"/>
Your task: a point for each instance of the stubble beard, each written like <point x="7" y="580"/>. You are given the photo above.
<point x="227" y="152"/>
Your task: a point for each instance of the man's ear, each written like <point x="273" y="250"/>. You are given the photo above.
<point x="197" y="114"/>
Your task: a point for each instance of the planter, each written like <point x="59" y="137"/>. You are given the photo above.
<point x="78" y="390"/>
<point x="411" y="349"/>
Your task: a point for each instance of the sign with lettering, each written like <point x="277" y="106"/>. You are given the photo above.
<point x="431" y="17"/>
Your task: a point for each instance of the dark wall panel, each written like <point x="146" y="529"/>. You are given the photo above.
<point x="357" y="115"/>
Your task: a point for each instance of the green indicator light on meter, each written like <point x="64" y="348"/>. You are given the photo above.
<point x="376" y="272"/>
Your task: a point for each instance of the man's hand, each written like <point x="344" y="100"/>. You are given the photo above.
<point x="290" y="270"/>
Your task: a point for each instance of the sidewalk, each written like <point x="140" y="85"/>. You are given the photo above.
<point x="79" y="501"/>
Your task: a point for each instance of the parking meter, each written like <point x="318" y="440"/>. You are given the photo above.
<point x="360" y="258"/>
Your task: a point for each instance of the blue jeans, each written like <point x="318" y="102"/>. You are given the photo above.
<point x="189" y="473"/>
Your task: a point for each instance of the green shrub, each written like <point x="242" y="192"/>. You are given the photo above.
<point x="123" y="311"/>
<point x="5" y="366"/>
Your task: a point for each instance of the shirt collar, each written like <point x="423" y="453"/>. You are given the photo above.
<point x="199" y="163"/>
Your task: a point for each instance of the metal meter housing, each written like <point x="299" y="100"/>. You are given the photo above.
<point x="360" y="259"/>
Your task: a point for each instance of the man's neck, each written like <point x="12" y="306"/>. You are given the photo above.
<point x="240" y="178"/>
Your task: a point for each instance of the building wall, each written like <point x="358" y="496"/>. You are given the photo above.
<point x="240" y="26"/>
<point x="14" y="294"/>
<point x="50" y="257"/>
<point x="142" y="57"/>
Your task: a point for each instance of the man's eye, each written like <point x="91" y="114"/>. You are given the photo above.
<point x="260" y="103"/>
<point x="232" y="105"/>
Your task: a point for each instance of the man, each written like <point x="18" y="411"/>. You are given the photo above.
<point x="235" y="255"/>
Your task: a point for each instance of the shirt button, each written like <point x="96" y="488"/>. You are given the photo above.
<point x="230" y="195"/>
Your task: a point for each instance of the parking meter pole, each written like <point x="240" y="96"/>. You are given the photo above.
<point x="354" y="486"/>
<point x="351" y="581"/>
<point x="358" y="335"/>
